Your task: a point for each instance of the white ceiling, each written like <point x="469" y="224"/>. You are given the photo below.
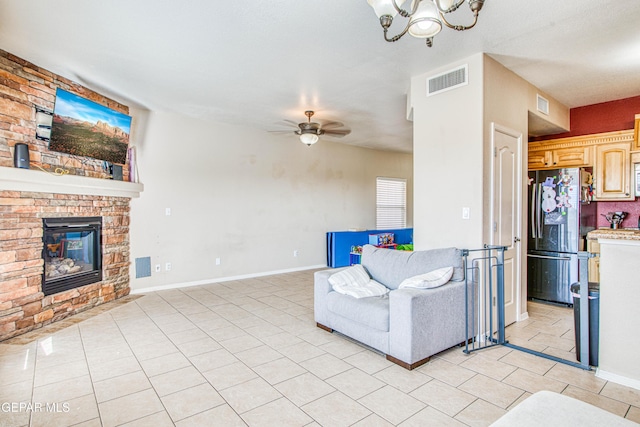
<point x="253" y="63"/>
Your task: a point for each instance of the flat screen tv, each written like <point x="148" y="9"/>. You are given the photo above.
<point x="84" y="128"/>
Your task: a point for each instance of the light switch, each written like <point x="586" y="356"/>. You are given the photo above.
<point x="465" y="213"/>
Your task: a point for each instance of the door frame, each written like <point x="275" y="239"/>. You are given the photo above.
<point x="497" y="128"/>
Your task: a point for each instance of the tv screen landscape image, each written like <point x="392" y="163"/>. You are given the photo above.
<point x="84" y="128"/>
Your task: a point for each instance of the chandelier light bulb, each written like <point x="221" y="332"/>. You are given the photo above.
<point x="425" y="22"/>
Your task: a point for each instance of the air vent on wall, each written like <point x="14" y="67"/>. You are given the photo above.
<point x="448" y="80"/>
<point x="543" y="105"/>
<point x="143" y="267"/>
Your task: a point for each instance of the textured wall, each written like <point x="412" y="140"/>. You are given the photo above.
<point x="248" y="197"/>
<point x="597" y="118"/>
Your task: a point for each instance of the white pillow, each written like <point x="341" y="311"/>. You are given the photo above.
<point x="353" y="276"/>
<point x="429" y="280"/>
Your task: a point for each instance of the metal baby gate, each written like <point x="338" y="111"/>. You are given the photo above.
<point x="485" y="299"/>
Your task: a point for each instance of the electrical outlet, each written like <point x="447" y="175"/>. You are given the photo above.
<point x="167" y="266"/>
<point x="217" y="261"/>
<point x="295" y="253"/>
<point x="158" y="268"/>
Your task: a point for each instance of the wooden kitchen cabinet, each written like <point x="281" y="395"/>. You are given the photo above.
<point x="609" y="154"/>
<point x="612" y="171"/>
<point x="594" y="269"/>
<point x="593" y="247"/>
<point x="539" y="159"/>
<point x="560" y="158"/>
<point x="572" y="157"/>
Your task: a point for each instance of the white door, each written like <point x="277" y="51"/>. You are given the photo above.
<point x="507" y="210"/>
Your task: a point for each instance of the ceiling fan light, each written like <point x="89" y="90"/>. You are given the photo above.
<point x="309" y="138"/>
<point x="385" y="7"/>
<point x="425" y="22"/>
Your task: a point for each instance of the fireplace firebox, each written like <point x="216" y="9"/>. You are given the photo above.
<point x="72" y="253"/>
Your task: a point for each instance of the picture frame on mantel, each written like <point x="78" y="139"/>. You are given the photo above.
<point x="82" y="127"/>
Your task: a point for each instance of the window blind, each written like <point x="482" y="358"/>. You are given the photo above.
<point x="391" y="203"/>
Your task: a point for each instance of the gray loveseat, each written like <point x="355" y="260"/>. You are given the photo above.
<point x="408" y="325"/>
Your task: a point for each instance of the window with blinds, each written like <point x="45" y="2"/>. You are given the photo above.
<point x="391" y="203"/>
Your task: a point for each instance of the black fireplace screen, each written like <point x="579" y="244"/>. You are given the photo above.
<point x="72" y="253"/>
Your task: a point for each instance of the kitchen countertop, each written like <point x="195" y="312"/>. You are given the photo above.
<point x="619" y="234"/>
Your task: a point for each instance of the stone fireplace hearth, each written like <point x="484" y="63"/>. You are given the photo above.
<point x="32" y="196"/>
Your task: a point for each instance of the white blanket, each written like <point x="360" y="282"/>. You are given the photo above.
<point x="355" y="281"/>
<point x="369" y="289"/>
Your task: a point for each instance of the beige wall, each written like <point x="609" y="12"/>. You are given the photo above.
<point x="505" y="103"/>
<point x="247" y="197"/>
<point x="559" y="115"/>
<point x="447" y="158"/>
<point x="508" y="102"/>
<point x="452" y="153"/>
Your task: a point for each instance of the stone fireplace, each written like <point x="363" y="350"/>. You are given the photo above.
<point x="29" y="198"/>
<point x="72" y="253"/>
<point x="35" y="200"/>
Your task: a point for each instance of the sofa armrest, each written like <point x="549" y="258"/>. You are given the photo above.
<point x="423" y="322"/>
<point x="321" y="288"/>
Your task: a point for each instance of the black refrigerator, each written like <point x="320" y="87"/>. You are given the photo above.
<point x="560" y="215"/>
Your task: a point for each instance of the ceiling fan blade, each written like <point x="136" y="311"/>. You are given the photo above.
<point x="337" y="132"/>
<point x="287" y="124"/>
<point x="281" y="131"/>
<point x="331" y="124"/>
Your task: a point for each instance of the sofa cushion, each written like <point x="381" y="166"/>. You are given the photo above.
<point x="372" y="312"/>
<point x="429" y="280"/>
<point x="391" y="267"/>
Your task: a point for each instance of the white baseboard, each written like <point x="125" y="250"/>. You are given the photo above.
<point x="619" y="379"/>
<point x="221" y="279"/>
<point x="523" y="316"/>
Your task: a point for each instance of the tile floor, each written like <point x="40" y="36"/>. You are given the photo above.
<point x="248" y="353"/>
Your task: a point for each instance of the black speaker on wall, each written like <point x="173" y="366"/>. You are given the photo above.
<point x="21" y="156"/>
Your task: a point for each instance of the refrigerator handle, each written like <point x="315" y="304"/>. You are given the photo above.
<point x="533" y="211"/>
<point x="538" y="211"/>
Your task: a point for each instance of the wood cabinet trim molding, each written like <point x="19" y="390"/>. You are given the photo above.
<point x="636" y="134"/>
<point x="585" y="140"/>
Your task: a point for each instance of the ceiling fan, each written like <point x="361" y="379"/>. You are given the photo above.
<point x="310" y="132"/>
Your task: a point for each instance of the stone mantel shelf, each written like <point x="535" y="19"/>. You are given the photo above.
<point x="16" y="179"/>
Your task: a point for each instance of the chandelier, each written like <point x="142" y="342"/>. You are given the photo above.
<point x="425" y="17"/>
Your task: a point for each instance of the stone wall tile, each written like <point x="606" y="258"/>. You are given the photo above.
<point x="12" y="285"/>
